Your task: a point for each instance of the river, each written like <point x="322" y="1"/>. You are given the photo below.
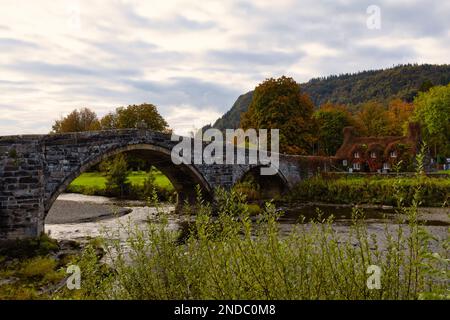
<point x="79" y="217"/>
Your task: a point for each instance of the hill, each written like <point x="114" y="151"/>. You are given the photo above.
<point x="403" y="81"/>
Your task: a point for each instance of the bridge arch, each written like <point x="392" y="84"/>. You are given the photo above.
<point x="270" y="185"/>
<point x="184" y="177"/>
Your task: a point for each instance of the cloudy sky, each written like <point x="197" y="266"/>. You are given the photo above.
<point x="193" y="58"/>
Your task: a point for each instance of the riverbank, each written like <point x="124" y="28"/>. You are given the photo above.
<point x="375" y="190"/>
<point x="81" y="218"/>
<point x="36" y="268"/>
<point x="139" y="213"/>
<point x="66" y="211"/>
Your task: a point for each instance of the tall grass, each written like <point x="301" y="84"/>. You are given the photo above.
<point x="226" y="255"/>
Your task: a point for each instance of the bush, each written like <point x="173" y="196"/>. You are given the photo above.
<point x="371" y="190"/>
<point x="38" y="267"/>
<point x="249" y="188"/>
<point x="229" y="257"/>
<point x="148" y="188"/>
<point x="253" y="209"/>
<point x="28" y="248"/>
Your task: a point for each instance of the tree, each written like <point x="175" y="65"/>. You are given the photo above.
<point x="109" y="121"/>
<point x="432" y="111"/>
<point x="279" y="104"/>
<point x="372" y="120"/>
<point x="426" y="85"/>
<point x="117" y="175"/>
<point x="83" y="119"/>
<point x="399" y="114"/>
<point x="134" y="116"/>
<point x="331" y="120"/>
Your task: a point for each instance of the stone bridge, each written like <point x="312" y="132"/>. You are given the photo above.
<point x="35" y="169"/>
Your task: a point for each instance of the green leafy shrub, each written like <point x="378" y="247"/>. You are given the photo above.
<point x="372" y="190"/>
<point x="249" y="188"/>
<point x="253" y="209"/>
<point x="227" y="256"/>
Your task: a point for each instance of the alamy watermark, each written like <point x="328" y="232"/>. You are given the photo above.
<point x="373" y="21"/>
<point x="231" y="150"/>
<point x="73" y="9"/>
<point x="374" y="280"/>
<point x="74" y="280"/>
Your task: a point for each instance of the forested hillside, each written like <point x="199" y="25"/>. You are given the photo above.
<point x="402" y="82"/>
<point x="230" y="120"/>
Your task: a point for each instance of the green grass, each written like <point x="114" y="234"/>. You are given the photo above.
<point x="96" y="180"/>
<point x="90" y="179"/>
<point x="138" y="177"/>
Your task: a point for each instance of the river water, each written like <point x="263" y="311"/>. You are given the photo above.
<point x="67" y="207"/>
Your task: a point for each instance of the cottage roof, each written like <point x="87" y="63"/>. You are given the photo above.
<point x="353" y="142"/>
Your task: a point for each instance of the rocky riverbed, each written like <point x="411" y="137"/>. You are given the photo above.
<point x="79" y="217"/>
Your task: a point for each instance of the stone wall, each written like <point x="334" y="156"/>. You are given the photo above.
<point x="21" y="186"/>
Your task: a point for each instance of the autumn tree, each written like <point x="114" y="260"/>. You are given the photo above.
<point x="432" y="111"/>
<point x="135" y="116"/>
<point x="83" y="119"/>
<point x="372" y="119"/>
<point x="108" y="121"/>
<point x="331" y="120"/>
<point x="399" y="114"/>
<point x="279" y="104"/>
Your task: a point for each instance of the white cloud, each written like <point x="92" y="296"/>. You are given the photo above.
<point x="187" y="118"/>
<point x="192" y="58"/>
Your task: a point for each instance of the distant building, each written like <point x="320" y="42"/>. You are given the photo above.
<point x="372" y="154"/>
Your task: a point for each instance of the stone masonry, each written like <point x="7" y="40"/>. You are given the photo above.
<point x="35" y="169"/>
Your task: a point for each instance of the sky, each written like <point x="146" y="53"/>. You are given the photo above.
<point x="192" y="59"/>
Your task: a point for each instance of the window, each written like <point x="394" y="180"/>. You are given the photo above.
<point x="356" y="166"/>
<point x="344" y="163"/>
<point x="386" y="166"/>
<point x="373" y="155"/>
<point x="393" y="154"/>
<point x="356" y="155"/>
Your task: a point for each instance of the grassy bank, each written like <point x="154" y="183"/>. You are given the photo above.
<point x="372" y="190"/>
<point x="141" y="185"/>
<point x="35" y="268"/>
